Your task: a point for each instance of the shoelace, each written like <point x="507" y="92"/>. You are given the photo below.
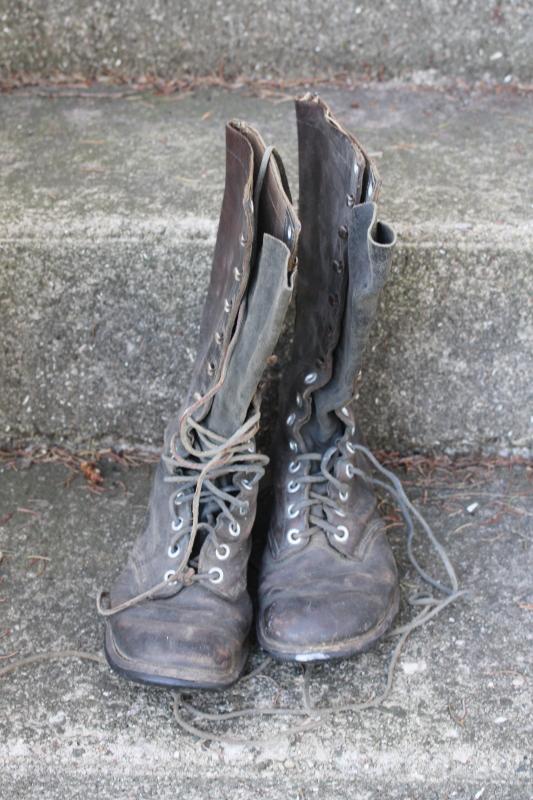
<point x="429" y="605"/>
<point x="218" y="457"/>
<point x="317" y="501"/>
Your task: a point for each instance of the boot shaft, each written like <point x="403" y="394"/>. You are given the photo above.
<point x="344" y="257"/>
<point x="250" y="285"/>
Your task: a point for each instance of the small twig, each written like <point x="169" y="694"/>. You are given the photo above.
<point x="460" y="720"/>
<point x="8" y="655"/>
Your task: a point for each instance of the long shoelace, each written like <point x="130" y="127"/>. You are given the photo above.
<point x="317" y="501"/>
<point x="210" y="457"/>
<point x="216" y="458"/>
<point x="429" y="604"/>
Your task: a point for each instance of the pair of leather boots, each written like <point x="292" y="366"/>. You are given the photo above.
<point x="180" y="613"/>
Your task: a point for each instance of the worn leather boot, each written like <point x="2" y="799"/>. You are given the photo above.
<point x="179" y="614"/>
<point x="328" y="585"/>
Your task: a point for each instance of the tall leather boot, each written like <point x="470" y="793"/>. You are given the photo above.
<point x="179" y="614"/>
<point x="328" y="584"/>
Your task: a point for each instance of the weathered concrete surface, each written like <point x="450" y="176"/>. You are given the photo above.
<point x="108" y="211"/>
<point x="457" y="725"/>
<point x="170" y="38"/>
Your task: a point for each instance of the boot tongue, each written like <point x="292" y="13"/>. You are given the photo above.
<point x="369" y="255"/>
<point x="267" y="296"/>
<point x="266" y="306"/>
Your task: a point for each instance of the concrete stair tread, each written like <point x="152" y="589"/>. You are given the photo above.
<point x="108" y="211"/>
<point x="450" y="162"/>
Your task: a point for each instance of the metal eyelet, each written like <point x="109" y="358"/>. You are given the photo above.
<point x="343" y="232"/>
<point x="299" y="400"/>
<point x="219" y="337"/>
<point x="338" y="267"/>
<point x="350" y="448"/>
<point x="349" y="471"/>
<point x="177" y="524"/>
<point x="293" y="536"/>
<point x="310" y="378"/>
<point x="350" y="200"/>
<point x="243" y="239"/>
<point x="294" y="466"/>
<point x="168" y="575"/>
<point x="244" y="508"/>
<point x="211" y="368"/>
<point x="345" y="411"/>
<point x="293" y="446"/>
<point x="173" y="552"/>
<point x="234" y="529"/>
<point x="290" y="419"/>
<point x="343" y="496"/>
<point x="227" y="306"/>
<point x="340" y="513"/>
<point x="247" y="485"/>
<point x="218" y="575"/>
<point x="293" y="487"/>
<point x="292" y="512"/>
<point x="343" y="533"/>
<point x="222" y="552"/>
<point x="237" y="273"/>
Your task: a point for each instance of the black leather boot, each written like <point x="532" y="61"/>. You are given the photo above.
<point x="179" y="614"/>
<point x="328" y="585"/>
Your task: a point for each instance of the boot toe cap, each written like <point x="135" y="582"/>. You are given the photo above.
<point x="325" y="625"/>
<point x="149" y="645"/>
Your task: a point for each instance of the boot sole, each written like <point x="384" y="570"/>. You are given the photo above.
<point x="329" y="652"/>
<point x="126" y="669"/>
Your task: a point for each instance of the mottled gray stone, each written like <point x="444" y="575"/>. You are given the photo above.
<point x="267" y="37"/>
<point x="108" y="210"/>
<point x="457" y="725"/>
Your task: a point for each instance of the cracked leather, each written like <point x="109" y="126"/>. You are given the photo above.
<point x="328" y="594"/>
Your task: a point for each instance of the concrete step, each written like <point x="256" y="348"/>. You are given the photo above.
<point x="457" y="725"/>
<point x="108" y="212"/>
<point x="171" y="38"/>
